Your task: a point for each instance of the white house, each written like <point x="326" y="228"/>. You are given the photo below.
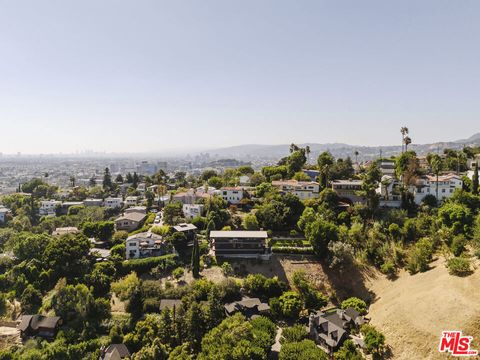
<point x="93" y="202"/>
<point x="146" y="245"/>
<point x="302" y="189"/>
<point x="232" y="195"/>
<point x="48" y="207"/>
<point x="389" y="191"/>
<point x="192" y="210"/>
<point x="131" y="200"/>
<point x="427" y="185"/>
<point x="113" y="203"/>
<point x="244" y="180"/>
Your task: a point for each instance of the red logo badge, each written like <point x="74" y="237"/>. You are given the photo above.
<point x="456" y="344"/>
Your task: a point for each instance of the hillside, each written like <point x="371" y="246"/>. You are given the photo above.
<point x="337" y="149"/>
<point x="413" y="310"/>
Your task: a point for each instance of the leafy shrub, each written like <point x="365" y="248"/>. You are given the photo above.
<point x="356" y="303"/>
<point x="178" y="272"/>
<point x="459" y="266"/>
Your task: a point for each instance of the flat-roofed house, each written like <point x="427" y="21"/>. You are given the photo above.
<point x="302" y="189"/>
<point x="348" y="190"/>
<point x="240" y="244"/>
<point x="189" y="230"/>
<point x="232" y="195"/>
<point x="427" y="185"/>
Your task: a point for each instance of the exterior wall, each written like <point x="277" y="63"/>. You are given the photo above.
<point x="232" y="196"/>
<point x="446" y="188"/>
<point x="127" y="225"/>
<point x="113" y="203"/>
<point x="192" y="210"/>
<point x="48" y="207"/>
<point x="241" y="248"/>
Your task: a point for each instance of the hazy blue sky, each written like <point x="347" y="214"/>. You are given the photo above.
<point x="142" y="75"/>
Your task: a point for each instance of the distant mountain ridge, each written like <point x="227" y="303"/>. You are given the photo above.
<point x="252" y="151"/>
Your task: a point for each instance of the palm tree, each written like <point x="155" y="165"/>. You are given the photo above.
<point x="356" y="156"/>
<point x="72" y="181"/>
<point x="307" y="151"/>
<point x="407" y="142"/>
<point x="404" y="131"/>
<point x="435" y="162"/>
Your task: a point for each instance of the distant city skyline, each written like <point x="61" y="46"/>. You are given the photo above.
<point x="150" y="76"/>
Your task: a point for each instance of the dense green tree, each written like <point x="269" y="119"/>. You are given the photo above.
<point x="348" y="351"/>
<point x="325" y="162"/>
<point x="320" y="233"/>
<point x="107" y="180"/>
<point x="356" y="303"/>
<point x="31" y="300"/>
<point x="374" y="340"/>
<point x="172" y="213"/>
<point x="196" y="259"/>
<point x="296" y="333"/>
<point x="303" y="350"/>
<point x="475" y="180"/>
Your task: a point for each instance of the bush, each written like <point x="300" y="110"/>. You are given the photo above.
<point x="261" y="286"/>
<point x="458" y="245"/>
<point x="374" y="340"/>
<point x="227" y="269"/>
<point x="459" y="266"/>
<point x="388" y="268"/>
<point x="290" y="304"/>
<point x="178" y="272"/>
<point x="295" y="333"/>
<point x="419" y="256"/>
<point x="356" y="303"/>
<point x="292" y="250"/>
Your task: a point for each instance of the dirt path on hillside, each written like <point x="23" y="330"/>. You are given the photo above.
<point x="412" y="311"/>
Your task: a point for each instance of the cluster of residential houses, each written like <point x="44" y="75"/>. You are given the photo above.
<point x="389" y="187"/>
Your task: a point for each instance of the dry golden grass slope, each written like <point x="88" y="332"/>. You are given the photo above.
<point x="413" y="310"/>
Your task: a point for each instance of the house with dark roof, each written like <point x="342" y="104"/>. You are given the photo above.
<point x="240" y="244"/>
<point x="39" y="325"/>
<point x="249" y="307"/>
<point x="330" y="330"/>
<point x="130" y="221"/>
<point x="115" y="352"/>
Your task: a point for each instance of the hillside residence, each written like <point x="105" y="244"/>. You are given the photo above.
<point x="427" y="185"/>
<point x="312" y="174"/>
<point x="389" y="190"/>
<point x="249" y="307"/>
<point x="48" y="207"/>
<point x="145" y="245"/>
<point x="192" y="210"/>
<point x="115" y="352"/>
<point x="347" y="190"/>
<point x="302" y="189"/>
<point x="330" y="330"/>
<point x="240" y="244"/>
<point x="65" y="231"/>
<point x="39" y="325"/>
<point x="4" y="212"/>
<point x="189" y="230"/>
<point x="63" y="208"/>
<point x="232" y="195"/>
<point x="130" y="221"/>
<point x="387" y="167"/>
<point x="138" y="209"/>
<point x="131" y="200"/>
<point x="93" y="202"/>
<point x="113" y="203"/>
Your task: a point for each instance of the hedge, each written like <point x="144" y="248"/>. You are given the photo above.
<point x="292" y="250"/>
<point x="142" y="266"/>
